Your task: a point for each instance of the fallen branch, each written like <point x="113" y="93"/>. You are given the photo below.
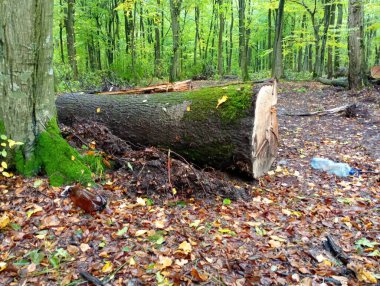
<point x="159" y="88"/>
<point x="336" y="250"/>
<point x="324" y="112"/>
<point x="342" y="82"/>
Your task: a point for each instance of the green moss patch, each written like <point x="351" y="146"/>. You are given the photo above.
<point x="55" y="157"/>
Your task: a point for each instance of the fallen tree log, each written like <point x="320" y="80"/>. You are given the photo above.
<point x="342" y="82"/>
<point x="224" y="127"/>
<point x="166" y="87"/>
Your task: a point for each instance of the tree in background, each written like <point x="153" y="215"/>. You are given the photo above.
<point x="70" y="37"/>
<point x="277" y="68"/>
<point x="356" y="71"/>
<point x="175" y="10"/>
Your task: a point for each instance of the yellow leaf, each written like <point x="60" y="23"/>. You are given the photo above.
<point x="98" y="110"/>
<point x="185" y="247"/>
<point x="3" y="265"/>
<point x="164" y="262"/>
<point x="174" y="191"/>
<point x="140" y="232"/>
<point x="4" y="165"/>
<point x="107" y="267"/>
<point x="195" y="223"/>
<point x="132" y="261"/>
<point x="274" y="243"/>
<point x="188" y="108"/>
<point x="4" y="221"/>
<point x="140" y="202"/>
<point x="222" y="100"/>
<point x="6" y="174"/>
<point x="84" y="247"/>
<point x="72" y="157"/>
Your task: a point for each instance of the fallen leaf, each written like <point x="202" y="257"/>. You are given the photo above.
<point x="222" y="100"/>
<point x="164" y="262"/>
<point x="198" y="276"/>
<point x="181" y="262"/>
<point x="107" y="268"/>
<point x="84" y="247"/>
<point x="185" y="247"/>
<point x="141" y="232"/>
<point x="3" y="265"/>
<point x="4" y="221"/>
<point x="50" y="221"/>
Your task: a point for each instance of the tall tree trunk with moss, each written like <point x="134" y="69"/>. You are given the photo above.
<point x="70" y="36"/>
<point x="277" y="68"/>
<point x="242" y="42"/>
<point x="175" y="10"/>
<point x="356" y="70"/>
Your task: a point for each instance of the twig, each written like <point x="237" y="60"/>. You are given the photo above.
<point x="324" y="112"/>
<point x="169" y="169"/>
<point x="88" y="277"/>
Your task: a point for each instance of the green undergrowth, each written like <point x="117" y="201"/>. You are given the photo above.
<point x="2" y="127"/>
<point x="58" y="160"/>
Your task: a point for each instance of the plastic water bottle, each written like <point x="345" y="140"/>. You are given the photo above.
<point x="331" y="167"/>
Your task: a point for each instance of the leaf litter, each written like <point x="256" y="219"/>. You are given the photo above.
<point x="295" y="226"/>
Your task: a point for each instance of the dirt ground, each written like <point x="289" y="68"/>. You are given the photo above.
<point x="275" y="234"/>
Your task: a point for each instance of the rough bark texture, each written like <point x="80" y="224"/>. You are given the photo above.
<point x="228" y="136"/>
<point x="70" y="36"/>
<point x="175" y="10"/>
<point x="356" y="73"/>
<point x="26" y="73"/>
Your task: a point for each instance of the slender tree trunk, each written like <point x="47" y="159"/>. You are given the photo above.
<point x="175" y="10"/>
<point x="196" y="39"/>
<point x="310" y="58"/>
<point x="339" y="22"/>
<point x="356" y="71"/>
<point x="277" y="68"/>
<point x="70" y="35"/>
<point x="300" y="49"/>
<point x="157" y="44"/>
<point x="242" y="44"/>
<point x="330" y="69"/>
<point x="269" y="46"/>
<point x="231" y="38"/>
<point x="326" y="21"/>
<point x="61" y="35"/>
<point x="220" y="38"/>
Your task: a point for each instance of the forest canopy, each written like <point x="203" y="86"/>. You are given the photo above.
<point x="130" y="42"/>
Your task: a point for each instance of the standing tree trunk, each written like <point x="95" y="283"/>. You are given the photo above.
<point x="338" y="26"/>
<point x="326" y="21"/>
<point x="242" y="42"/>
<point x="70" y="35"/>
<point x="269" y="44"/>
<point x="277" y="69"/>
<point x="175" y="10"/>
<point x="196" y="39"/>
<point x="330" y="69"/>
<point x="356" y="71"/>
<point x="231" y="38"/>
<point x="157" y="43"/>
<point x="27" y="110"/>
<point x="61" y="35"/>
<point x="300" y="49"/>
<point x="220" y="38"/>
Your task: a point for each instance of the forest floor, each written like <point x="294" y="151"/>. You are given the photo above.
<point x="276" y="235"/>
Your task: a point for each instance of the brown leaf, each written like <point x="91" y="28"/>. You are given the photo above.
<point x="198" y="276"/>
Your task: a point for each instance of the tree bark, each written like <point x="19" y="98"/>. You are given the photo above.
<point x="239" y="134"/>
<point x="277" y="69"/>
<point x="175" y="10"/>
<point x="339" y="22"/>
<point x="70" y="35"/>
<point x="330" y="68"/>
<point x="26" y="72"/>
<point x="196" y="39"/>
<point x="220" y="37"/>
<point x="242" y="42"/>
<point x="356" y="71"/>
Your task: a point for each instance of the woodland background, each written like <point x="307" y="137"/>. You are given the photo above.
<point x="131" y="42"/>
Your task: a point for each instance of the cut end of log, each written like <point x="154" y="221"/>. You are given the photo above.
<point x="265" y="131"/>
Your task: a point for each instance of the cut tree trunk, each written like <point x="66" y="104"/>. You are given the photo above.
<point x="223" y="127"/>
<point x="159" y="88"/>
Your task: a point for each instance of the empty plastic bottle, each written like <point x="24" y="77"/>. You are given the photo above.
<point x="331" y="167"/>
